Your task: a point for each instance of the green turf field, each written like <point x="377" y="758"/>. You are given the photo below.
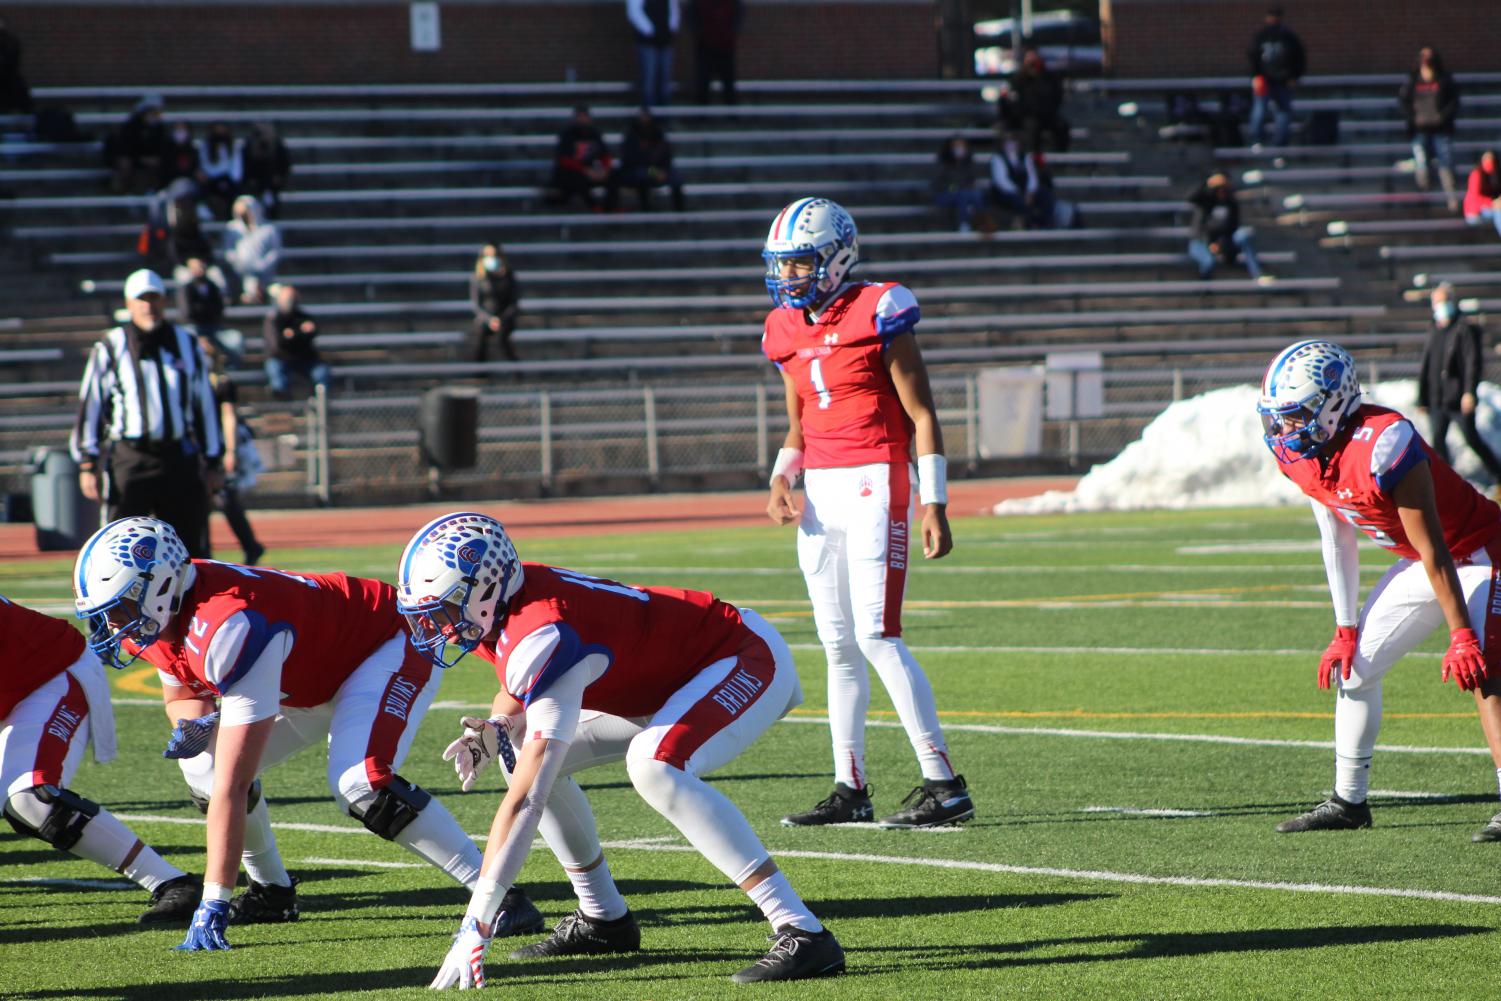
<point x="1130" y="696"/>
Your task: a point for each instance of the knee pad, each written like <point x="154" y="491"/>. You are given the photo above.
<point x="251" y="798"/>
<point x="393" y="808"/>
<point x="57" y="816"/>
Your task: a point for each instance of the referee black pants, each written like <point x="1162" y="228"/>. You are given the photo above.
<point x="1440" y="419"/>
<point x="159" y="480"/>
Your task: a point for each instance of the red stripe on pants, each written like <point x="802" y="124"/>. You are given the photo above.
<point x="57" y="735"/>
<point x="746" y="682"/>
<point x="1491" y="640"/>
<point x="898" y="543"/>
<point x="393" y="714"/>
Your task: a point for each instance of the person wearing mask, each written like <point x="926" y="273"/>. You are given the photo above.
<point x="582" y="162"/>
<point x="1031" y="103"/>
<point x="252" y="249"/>
<point x="134" y="151"/>
<point x="1483" y="192"/>
<point x="200" y="301"/>
<point x="147" y="439"/>
<point x="290" y="333"/>
<point x="494" y="294"/>
<point x="1277" y="63"/>
<point x="1453" y="363"/>
<point x="180" y="157"/>
<point x="221" y="167"/>
<point x="1020" y="182"/>
<point x="955" y="184"/>
<point x="1215" y="233"/>
<point x="1430" y="103"/>
<point x="646" y="161"/>
<point x="655" y="23"/>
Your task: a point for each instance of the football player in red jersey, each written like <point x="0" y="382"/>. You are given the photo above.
<point x="294" y="661"/>
<point x="858" y="406"/>
<point x="1366" y="469"/>
<point x="677" y="683"/>
<point x="54" y="699"/>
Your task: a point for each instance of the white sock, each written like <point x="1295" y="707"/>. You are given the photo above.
<point x="1498" y="779"/>
<point x="912" y="696"/>
<point x="435" y="836"/>
<point x="261" y="857"/>
<point x="1352" y="778"/>
<point x="781" y="904"/>
<point x="849" y="701"/>
<point x="110" y="843"/>
<point x="598" y="896"/>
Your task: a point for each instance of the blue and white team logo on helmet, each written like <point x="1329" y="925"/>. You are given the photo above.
<point x="128" y="582"/>
<point x="814" y="228"/>
<point x="1310" y="390"/>
<point x="453" y="583"/>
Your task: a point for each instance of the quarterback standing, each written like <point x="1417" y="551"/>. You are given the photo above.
<point x="858" y="402"/>
<point x="294" y="660"/>
<point x="1365" y="468"/>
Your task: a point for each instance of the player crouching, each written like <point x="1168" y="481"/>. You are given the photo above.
<point x="677" y="683"/>
<point x="1365" y="467"/>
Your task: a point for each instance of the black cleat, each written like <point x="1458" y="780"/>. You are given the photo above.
<point x="933" y="804"/>
<point x="173" y="902"/>
<point x="518" y="915"/>
<point x="843" y="806"/>
<point x="264" y="904"/>
<point x="796" y="955"/>
<point x="1334" y="814"/>
<point x="580" y="935"/>
<point x="1490" y="832"/>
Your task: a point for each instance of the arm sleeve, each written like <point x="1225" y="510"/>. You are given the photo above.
<point x="243" y="663"/>
<point x="84" y="443"/>
<point x="1341" y="563"/>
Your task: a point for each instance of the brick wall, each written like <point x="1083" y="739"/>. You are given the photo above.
<point x="104" y="43"/>
<point x="1210" y="37"/>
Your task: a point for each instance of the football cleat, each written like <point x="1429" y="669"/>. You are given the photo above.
<point x="1334" y="814"/>
<point x="843" y="806"/>
<point x="173" y="902"/>
<point x="580" y="935"/>
<point x="934" y="803"/>
<point x="796" y="955"/>
<point x="518" y="915"/>
<point x="1490" y="832"/>
<point x="264" y="904"/>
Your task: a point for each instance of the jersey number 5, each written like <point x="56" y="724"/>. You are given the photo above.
<point x="815" y="373"/>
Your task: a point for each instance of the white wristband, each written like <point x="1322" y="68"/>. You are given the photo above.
<point x="217" y="891"/>
<point x="932" y="479"/>
<point x="789" y="463"/>
<point x="485" y="902"/>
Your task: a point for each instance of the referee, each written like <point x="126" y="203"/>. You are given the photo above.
<point x="147" y="435"/>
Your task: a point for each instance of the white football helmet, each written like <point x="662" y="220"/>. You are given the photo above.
<point x="128" y="582"/>
<point x="454" y="581"/>
<point x="1309" y="391"/>
<point x="816" y="228"/>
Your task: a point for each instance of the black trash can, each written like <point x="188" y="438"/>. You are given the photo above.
<point x="64" y="519"/>
<point x="450" y="428"/>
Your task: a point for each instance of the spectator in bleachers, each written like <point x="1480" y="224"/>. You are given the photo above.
<point x="1453" y="363"/>
<point x="1215" y="233"/>
<point x="1021" y="183"/>
<point x="290" y="349"/>
<point x="180" y="156"/>
<point x="1031" y="102"/>
<point x="1483" y="193"/>
<point x="252" y="249"/>
<point x="200" y="302"/>
<point x="646" y="161"/>
<point x="1278" y="61"/>
<point x="186" y="238"/>
<point x="15" y="95"/>
<point x="716" y="23"/>
<point x="582" y="162"/>
<point x="496" y="299"/>
<point x="655" y="23"/>
<point x="1430" y="103"/>
<point x="242" y="461"/>
<point x="134" y="150"/>
<point x="221" y="168"/>
<point x="268" y="166"/>
<point x="956" y="183"/>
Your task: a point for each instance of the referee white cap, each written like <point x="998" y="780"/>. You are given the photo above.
<point x="143" y="283"/>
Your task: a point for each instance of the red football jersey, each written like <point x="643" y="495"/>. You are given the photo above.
<point x="37" y="649"/>
<point x="851" y="413"/>
<point x="1366" y="462"/>
<point x="232" y="612"/>
<point x="655" y="638"/>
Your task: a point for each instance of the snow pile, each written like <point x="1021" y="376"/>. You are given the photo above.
<point x="1207" y="452"/>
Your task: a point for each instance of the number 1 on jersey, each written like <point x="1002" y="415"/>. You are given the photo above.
<point x="815" y="372"/>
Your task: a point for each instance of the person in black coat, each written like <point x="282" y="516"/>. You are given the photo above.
<point x="496" y="298"/>
<point x="1430" y="103"/>
<point x="1453" y="362"/>
<point x="1032" y="102"/>
<point x="1215" y="233"/>
<point x="581" y="162"/>
<point x="1278" y="62"/>
<point x="646" y="161"/>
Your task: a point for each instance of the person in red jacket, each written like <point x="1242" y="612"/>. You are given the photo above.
<point x="1483" y="192"/>
<point x="1366" y="469"/>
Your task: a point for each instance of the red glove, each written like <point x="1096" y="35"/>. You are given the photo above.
<point x="1340" y="655"/>
<point x="1465" y="660"/>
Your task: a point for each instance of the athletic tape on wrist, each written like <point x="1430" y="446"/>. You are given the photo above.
<point x="932" y="479"/>
<point x="789" y="463"/>
<point x="217" y="891"/>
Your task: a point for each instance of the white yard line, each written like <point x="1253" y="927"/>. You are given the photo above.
<point x="1147" y="811"/>
<point x="1429" y="797"/>
<point x="362" y="862"/>
<point x="73" y="884"/>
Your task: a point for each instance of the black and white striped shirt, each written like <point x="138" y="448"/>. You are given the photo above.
<point x="132" y="394"/>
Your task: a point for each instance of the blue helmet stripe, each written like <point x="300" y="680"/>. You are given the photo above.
<point x="792" y="219"/>
<point x="83" y="561"/>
